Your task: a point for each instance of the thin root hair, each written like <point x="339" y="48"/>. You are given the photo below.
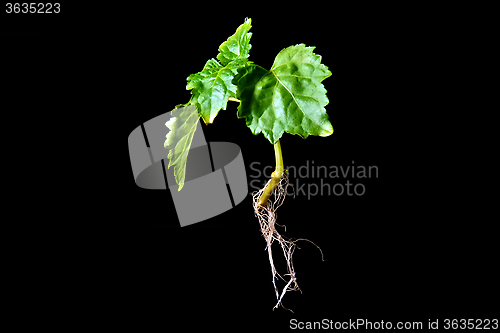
<point x="267" y="219"/>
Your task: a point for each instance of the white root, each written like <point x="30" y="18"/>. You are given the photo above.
<point x="267" y="219"/>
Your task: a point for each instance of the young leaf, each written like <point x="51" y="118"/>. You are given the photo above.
<point x="212" y="87"/>
<point x="288" y="98"/>
<point x="182" y="126"/>
<point x="238" y="45"/>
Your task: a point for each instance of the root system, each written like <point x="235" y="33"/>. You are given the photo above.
<point x="267" y="218"/>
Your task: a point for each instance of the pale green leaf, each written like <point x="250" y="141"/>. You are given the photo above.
<point x="288" y="98"/>
<point x="182" y="126"/>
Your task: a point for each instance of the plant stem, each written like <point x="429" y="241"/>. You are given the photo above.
<point x="233" y="99"/>
<point x="275" y="176"/>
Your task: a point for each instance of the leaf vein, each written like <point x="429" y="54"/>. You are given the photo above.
<point x="306" y="77"/>
<point x="288" y="92"/>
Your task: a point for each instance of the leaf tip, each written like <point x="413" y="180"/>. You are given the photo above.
<point x="327" y="130"/>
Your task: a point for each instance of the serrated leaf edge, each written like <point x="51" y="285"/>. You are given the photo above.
<point x="178" y="168"/>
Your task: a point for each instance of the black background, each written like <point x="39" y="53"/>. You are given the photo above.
<point x="89" y="76"/>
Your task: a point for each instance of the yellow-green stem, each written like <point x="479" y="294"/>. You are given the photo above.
<point x="275" y="176"/>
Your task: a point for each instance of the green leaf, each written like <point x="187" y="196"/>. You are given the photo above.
<point x="182" y="126"/>
<point x="288" y="98"/>
<point x="212" y="87"/>
<point x="238" y="45"/>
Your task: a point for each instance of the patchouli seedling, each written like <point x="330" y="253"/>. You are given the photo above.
<point x="287" y="98"/>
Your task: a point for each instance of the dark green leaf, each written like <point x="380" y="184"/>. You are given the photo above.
<point x="288" y="98"/>
<point x="237" y="46"/>
<point x="212" y="87"/>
